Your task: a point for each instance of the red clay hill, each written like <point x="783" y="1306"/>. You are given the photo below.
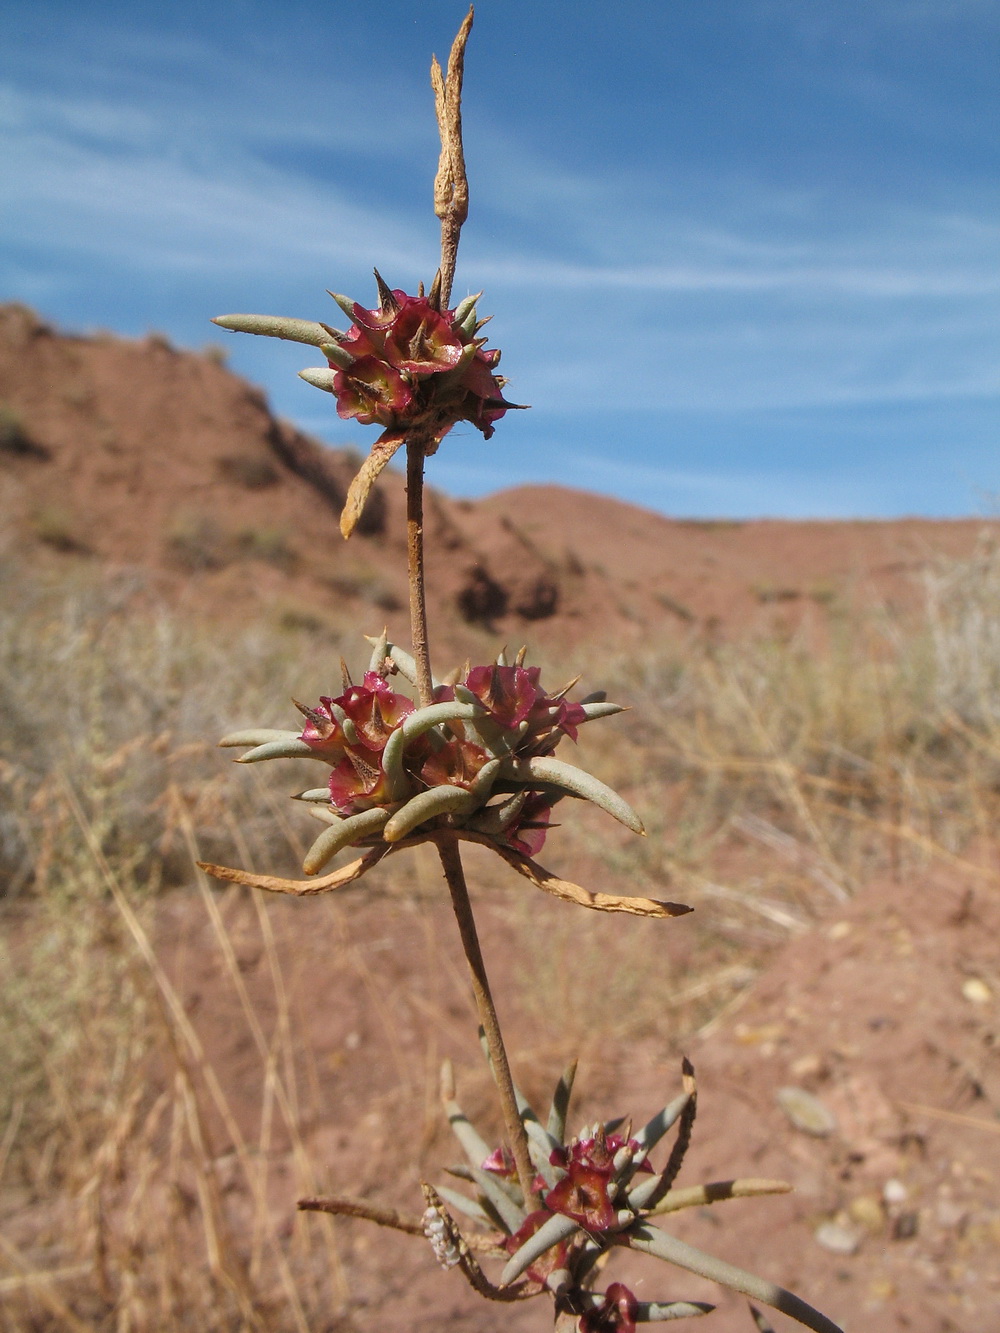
<point x="139" y="455"/>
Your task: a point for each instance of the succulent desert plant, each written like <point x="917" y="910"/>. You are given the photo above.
<point x="472" y="758"/>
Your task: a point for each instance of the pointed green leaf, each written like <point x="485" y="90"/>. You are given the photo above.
<point x="405" y="664"/>
<point x="337" y="354"/>
<point x="494" y="819"/>
<point x="380" y="650"/>
<point x="499" y="1196"/>
<point x="423" y="719"/>
<point x="464" y="1204"/>
<point x="651" y="1133"/>
<point x="660" y="1244"/>
<point x="658" y="1312"/>
<point x="473" y="1144"/>
<point x="345" y="303"/>
<point x="464" y="306"/>
<point x="602" y="709"/>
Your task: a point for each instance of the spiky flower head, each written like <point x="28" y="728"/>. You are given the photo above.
<point x="407" y="365"/>
<point x="477" y="763"/>
<point x="588" y="1200"/>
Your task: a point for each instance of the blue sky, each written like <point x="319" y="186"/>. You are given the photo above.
<point x="742" y="254"/>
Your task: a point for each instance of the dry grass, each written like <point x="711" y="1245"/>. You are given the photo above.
<point x="882" y="752"/>
<point x="137" y="1190"/>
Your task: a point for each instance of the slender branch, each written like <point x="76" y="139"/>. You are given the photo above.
<point x="347" y="1207"/>
<point x="415" y="560"/>
<point x="451" y="863"/>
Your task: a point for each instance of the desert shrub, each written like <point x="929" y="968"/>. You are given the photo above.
<point x="197" y="542"/>
<point x="363" y="581"/>
<point x="271" y="545"/>
<point x="128" y="703"/>
<point x="254" y="471"/>
<point x="56" y="527"/>
<point x="15" y="438"/>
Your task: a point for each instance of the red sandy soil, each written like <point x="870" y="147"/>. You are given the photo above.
<point x="870" y="1011"/>
<point x="134" y="454"/>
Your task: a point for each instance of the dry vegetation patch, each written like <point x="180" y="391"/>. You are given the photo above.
<point x="182" y="1064"/>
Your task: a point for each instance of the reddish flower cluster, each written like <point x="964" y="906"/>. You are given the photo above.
<point x="409" y="366"/>
<point x="512" y="696"/>
<point x="351" y="731"/>
<point x="518" y="719"/>
<point x="584" y="1193"/>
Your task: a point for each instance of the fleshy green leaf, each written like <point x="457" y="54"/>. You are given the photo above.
<point x="560" y="1103"/>
<point x="295" y="748"/>
<point x="428" y="805"/>
<point x="320" y="377"/>
<point x="258" y="736"/>
<point x="276" y="326"/>
<point x="660" y="1244"/>
<point x="543" y="768"/>
<point x="332" y="839"/>
<point x="550" y="1233"/>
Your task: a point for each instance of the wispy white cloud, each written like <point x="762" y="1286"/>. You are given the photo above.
<point x="615" y="293"/>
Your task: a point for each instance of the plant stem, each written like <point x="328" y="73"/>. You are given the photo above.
<point x="451" y="863"/>
<point x="415" y="561"/>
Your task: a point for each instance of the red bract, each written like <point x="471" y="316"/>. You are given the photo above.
<point x="421" y="341"/>
<point x="322" y="731"/>
<point x="549" y="720"/>
<point x="372" y="392"/>
<point x="357" y="781"/>
<point x="356" y="784"/>
<point x="508" y="692"/>
<point x="500" y="1162"/>
<point x="375" y="710"/>
<point x="615" y="1314"/>
<point x="513" y="695"/>
<point x="583" y="1192"/>
<point x="415" y="369"/>
<point x="455" y="764"/>
<point x="527" y="834"/>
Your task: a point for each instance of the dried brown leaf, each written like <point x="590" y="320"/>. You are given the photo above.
<point x="302" y="888"/>
<point x="575" y="893"/>
<point x="381" y="454"/>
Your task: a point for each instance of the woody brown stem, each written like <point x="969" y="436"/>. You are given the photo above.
<point x="451" y="863"/>
<point x="415" y="562"/>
